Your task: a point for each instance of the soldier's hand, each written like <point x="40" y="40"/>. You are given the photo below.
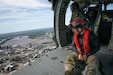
<point x="84" y="57"/>
<point x="80" y="57"/>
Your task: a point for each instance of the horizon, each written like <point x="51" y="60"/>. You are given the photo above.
<point x="24" y="30"/>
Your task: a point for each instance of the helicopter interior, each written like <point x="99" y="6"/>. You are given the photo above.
<point x="91" y="13"/>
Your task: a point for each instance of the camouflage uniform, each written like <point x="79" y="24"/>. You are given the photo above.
<point x="92" y="64"/>
<point x="72" y="59"/>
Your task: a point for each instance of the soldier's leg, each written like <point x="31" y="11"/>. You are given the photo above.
<point x="92" y="65"/>
<point x="70" y="63"/>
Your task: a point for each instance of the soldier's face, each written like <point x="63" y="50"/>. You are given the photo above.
<point x="78" y="30"/>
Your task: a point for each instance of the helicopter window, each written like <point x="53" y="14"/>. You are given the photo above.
<point x="109" y="6"/>
<point x="107" y="14"/>
<point x="68" y="15"/>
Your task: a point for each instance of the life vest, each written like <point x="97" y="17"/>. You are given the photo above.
<point x="85" y="42"/>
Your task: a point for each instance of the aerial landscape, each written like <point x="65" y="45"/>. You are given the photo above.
<point x="22" y="48"/>
<point x="56" y="37"/>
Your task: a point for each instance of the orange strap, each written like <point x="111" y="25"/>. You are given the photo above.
<point x="85" y="42"/>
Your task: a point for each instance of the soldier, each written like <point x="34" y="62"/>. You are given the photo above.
<point x="85" y="44"/>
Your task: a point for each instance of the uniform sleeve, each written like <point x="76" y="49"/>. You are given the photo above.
<point x="74" y="47"/>
<point x="94" y="44"/>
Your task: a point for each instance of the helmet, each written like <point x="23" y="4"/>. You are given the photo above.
<point x="78" y="23"/>
<point x="74" y="6"/>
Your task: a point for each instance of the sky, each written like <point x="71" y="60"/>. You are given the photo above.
<point x="21" y="15"/>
